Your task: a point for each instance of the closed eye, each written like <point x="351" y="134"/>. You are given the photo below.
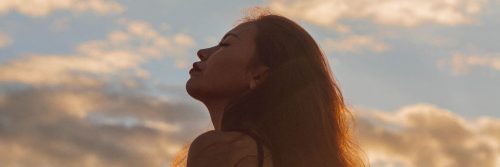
<point x="223" y="44"/>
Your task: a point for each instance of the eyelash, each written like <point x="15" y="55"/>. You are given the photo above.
<point x="223" y="44"/>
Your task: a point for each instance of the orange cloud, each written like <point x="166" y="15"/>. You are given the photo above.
<point x="330" y="13"/>
<point x="426" y="135"/>
<point x="461" y="64"/>
<point x="91" y="128"/>
<point x="37" y="8"/>
<point x="355" y="43"/>
<point x="5" y="40"/>
<point x="121" y="52"/>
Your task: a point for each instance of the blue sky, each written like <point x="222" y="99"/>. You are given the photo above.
<point x="392" y="59"/>
<point x="405" y="73"/>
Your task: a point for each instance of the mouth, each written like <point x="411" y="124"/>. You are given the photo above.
<point x="195" y="69"/>
<point x="192" y="71"/>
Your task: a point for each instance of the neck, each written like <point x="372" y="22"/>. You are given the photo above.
<point x="216" y="110"/>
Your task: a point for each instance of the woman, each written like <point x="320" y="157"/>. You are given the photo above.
<point x="272" y="100"/>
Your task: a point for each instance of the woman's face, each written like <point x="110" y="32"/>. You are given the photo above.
<point x="222" y="70"/>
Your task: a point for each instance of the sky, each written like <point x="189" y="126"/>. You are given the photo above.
<point x="102" y="82"/>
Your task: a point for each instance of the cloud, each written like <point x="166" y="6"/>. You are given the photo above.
<point x="461" y="64"/>
<point x="94" y="127"/>
<point x="409" y="13"/>
<point x="38" y="8"/>
<point x="355" y="43"/>
<point x="426" y="135"/>
<point x="71" y="113"/>
<point x="90" y="127"/>
<point x="121" y="53"/>
<point x="5" y="40"/>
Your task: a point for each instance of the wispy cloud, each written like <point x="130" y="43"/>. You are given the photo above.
<point x="91" y="128"/>
<point x="122" y="52"/>
<point x="38" y="8"/>
<point x="5" y="40"/>
<point x="461" y="64"/>
<point x="426" y="135"/>
<point x="355" y="43"/>
<point x="67" y="116"/>
<point x="331" y="13"/>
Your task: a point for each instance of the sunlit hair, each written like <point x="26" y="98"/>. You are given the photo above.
<point x="298" y="111"/>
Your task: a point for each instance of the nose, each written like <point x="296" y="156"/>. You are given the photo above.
<point x="202" y="54"/>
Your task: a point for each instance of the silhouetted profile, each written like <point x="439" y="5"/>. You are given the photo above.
<point x="272" y="100"/>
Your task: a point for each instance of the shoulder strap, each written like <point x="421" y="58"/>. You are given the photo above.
<point x="260" y="151"/>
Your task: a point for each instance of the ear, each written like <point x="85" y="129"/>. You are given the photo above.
<point x="259" y="74"/>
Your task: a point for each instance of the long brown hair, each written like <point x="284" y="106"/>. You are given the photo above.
<point x="298" y="111"/>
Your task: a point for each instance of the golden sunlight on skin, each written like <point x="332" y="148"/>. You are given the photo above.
<point x="105" y="83"/>
<point x="222" y="75"/>
<point x="234" y="149"/>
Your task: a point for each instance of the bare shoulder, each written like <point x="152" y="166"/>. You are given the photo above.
<point x="217" y="148"/>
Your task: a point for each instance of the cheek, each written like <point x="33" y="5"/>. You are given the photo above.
<point x="225" y="75"/>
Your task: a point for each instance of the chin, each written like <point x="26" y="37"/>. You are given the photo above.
<point x="193" y="89"/>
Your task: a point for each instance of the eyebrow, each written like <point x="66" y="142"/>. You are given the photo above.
<point x="232" y="34"/>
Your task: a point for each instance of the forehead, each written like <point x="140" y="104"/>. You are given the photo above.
<point x="244" y="31"/>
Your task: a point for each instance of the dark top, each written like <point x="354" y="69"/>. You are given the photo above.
<point x="260" y="153"/>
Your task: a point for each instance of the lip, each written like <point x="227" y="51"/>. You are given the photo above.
<point x="195" y="68"/>
<point x="194" y="71"/>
